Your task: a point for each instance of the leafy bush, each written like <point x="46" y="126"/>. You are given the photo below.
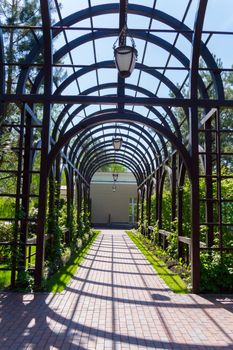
<point x="6" y="235"/>
<point x="66" y="255"/>
<point x="25" y="282"/>
<point x="216" y="272"/>
<point x="155" y="233"/>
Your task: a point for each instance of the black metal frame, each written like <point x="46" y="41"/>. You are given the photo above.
<point x="148" y="145"/>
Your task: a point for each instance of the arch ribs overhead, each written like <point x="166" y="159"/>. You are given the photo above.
<point x="69" y="102"/>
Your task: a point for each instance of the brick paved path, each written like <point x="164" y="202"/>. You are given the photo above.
<point x="115" y="301"/>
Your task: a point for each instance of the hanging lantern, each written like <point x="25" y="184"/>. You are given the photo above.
<point x="117" y="143"/>
<point x="115" y="177"/>
<point x="125" y="56"/>
<point x="125" y="60"/>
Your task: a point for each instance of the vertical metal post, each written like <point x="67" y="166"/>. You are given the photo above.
<point x="18" y="214"/>
<point x="194" y="149"/>
<point x="138" y="205"/>
<point x="174" y="187"/>
<point x="142" y="210"/>
<point x="27" y="167"/>
<point x="180" y="206"/>
<point x="219" y="180"/>
<point x="45" y="136"/>
<point x="148" y="203"/>
<point x="195" y="205"/>
<point x="209" y="183"/>
<point x="157" y="195"/>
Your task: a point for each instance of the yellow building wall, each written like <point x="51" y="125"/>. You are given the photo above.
<point x="111" y="207"/>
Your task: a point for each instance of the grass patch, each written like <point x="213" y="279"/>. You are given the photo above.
<point x="173" y="281"/>
<point x="5" y="277"/>
<point x="33" y="258"/>
<point x="59" y="280"/>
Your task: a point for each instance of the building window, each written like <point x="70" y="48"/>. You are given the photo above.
<point x="132" y="210"/>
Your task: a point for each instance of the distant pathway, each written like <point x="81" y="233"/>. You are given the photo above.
<point x="115" y="301"/>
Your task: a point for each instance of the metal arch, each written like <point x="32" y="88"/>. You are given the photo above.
<point x="127" y="117"/>
<point x="106" y="127"/>
<point x="90" y="156"/>
<point x="118" y="154"/>
<point x="155" y="144"/>
<point x="107" y="86"/>
<point x="80" y="155"/>
<point x="126" y="162"/>
<point x="109" y="143"/>
<point x="110" y="159"/>
<point x="102" y="34"/>
<point x="2" y="73"/>
<point x="176" y="24"/>
<point x="113" y="85"/>
<point x="80" y="108"/>
<point x="134" y="9"/>
<point x="156" y="74"/>
<point x="100" y="150"/>
<point x="106" y="162"/>
<point x="84" y="136"/>
<point x="149" y="161"/>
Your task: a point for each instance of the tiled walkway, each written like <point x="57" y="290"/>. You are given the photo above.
<point x="115" y="301"/>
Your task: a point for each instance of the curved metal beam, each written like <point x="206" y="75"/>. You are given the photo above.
<point x="100" y="149"/>
<point x="127" y="117"/>
<point x="140" y="67"/>
<point x="111" y="159"/>
<point x="90" y="146"/>
<point x="108" y="127"/>
<point x="119" y="158"/>
<point x="145" y="135"/>
<point x="108" y="86"/>
<point x="106" y="162"/>
<point x="135" y="9"/>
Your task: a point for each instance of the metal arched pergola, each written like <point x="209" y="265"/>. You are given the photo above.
<point x="67" y="102"/>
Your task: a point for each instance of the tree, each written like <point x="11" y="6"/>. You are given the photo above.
<point x="18" y="42"/>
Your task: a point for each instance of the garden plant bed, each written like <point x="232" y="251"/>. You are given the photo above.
<point x="60" y="279"/>
<point x="174" y="274"/>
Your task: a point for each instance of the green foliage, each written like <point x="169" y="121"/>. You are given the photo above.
<point x="216" y="272"/>
<point x="152" y="210"/>
<point x="186" y="224"/>
<point x="172" y="240"/>
<point x="171" y="279"/>
<point x="5" y="277"/>
<point x="155" y="233"/>
<point x="113" y="168"/>
<point x="25" y="282"/>
<point x="6" y="235"/>
<point x="84" y="220"/>
<point x="166" y="206"/>
<point x="59" y="280"/>
<point x="33" y="214"/>
<point x="55" y="249"/>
